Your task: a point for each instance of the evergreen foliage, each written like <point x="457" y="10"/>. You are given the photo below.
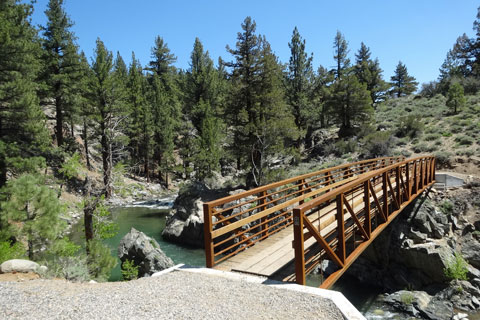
<point x="165" y="106"/>
<point x="258" y="114"/>
<point x="402" y="83"/>
<point x="350" y="103"/>
<point x="23" y="134"/>
<point x="109" y="109"/>
<point x="61" y="66"/>
<point x="368" y="71"/>
<point x="455" y="97"/>
<point x="32" y="211"/>
<point x="340" y="47"/>
<point x="299" y="80"/>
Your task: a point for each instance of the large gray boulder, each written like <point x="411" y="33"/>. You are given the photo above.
<point x="144" y="251"/>
<point x="19" y="265"/>
<point x="471" y="250"/>
<point x="184" y="224"/>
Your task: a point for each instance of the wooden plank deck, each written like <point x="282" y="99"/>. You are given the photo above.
<point x="274" y="256"/>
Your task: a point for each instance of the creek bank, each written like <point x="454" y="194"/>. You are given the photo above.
<point x="440" y="230"/>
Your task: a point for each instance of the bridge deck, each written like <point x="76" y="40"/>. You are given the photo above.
<point x="274" y="256"/>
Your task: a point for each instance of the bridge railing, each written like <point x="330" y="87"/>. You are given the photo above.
<point x="340" y="224"/>
<point x="234" y="223"/>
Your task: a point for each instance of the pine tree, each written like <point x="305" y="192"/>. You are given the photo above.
<point x="244" y="77"/>
<point x="107" y="91"/>
<point x="350" y="103"/>
<point x="368" y="71"/>
<point x="299" y="85"/>
<point x="33" y="210"/>
<point x="340" y="46"/>
<point x="61" y="65"/>
<point x="23" y="133"/>
<point x="140" y="115"/>
<point x="84" y="101"/>
<point x="455" y="97"/>
<point x="258" y="113"/>
<point x="402" y="83"/>
<point x="202" y="107"/>
<point x="321" y="94"/>
<point x="165" y="106"/>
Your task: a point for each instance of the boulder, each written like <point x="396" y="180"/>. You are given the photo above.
<point x="144" y="251"/>
<point x="471" y="250"/>
<point x="420" y="304"/>
<point x="430" y="258"/>
<point x="19" y="265"/>
<point x="184" y="224"/>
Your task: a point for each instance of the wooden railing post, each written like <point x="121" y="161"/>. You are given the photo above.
<point x="385" y="194"/>
<point x="434" y="164"/>
<point x="415" y="177"/>
<point x="264" y="226"/>
<point x="340" y="229"/>
<point x="298" y="243"/>
<point x="207" y="231"/>
<point x="407" y="178"/>
<point x="366" y="198"/>
<point x="300" y="188"/>
<point x="397" y="181"/>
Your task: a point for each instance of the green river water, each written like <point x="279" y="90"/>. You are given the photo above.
<point x="151" y="222"/>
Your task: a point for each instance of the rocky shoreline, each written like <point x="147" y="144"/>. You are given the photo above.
<point x="439" y="231"/>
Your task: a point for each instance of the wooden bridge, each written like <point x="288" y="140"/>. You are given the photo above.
<point x="284" y="230"/>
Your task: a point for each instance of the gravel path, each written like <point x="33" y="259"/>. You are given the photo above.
<point x="175" y="295"/>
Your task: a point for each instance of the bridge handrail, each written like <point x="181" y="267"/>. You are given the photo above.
<point x="419" y="173"/>
<point x="230" y="221"/>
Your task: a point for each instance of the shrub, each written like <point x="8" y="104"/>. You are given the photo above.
<point x="409" y="126"/>
<point x="420" y="147"/>
<point x="446" y="207"/>
<point x="129" y="270"/>
<point x="377" y="144"/>
<point x="443" y="158"/>
<point x="432" y="137"/>
<point x="456" y="269"/>
<point x="464" y="140"/>
<point x="10" y="251"/>
<point x="407" y="298"/>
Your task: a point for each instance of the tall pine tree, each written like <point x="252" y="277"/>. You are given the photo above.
<point x="402" y="83"/>
<point x="23" y="134"/>
<point x="299" y="85"/>
<point x="165" y="106"/>
<point x="340" y="47"/>
<point x="258" y="113"/>
<point x="368" y="71"/>
<point x="61" y="65"/>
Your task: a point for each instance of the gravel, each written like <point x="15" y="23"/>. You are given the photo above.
<point x="175" y="295"/>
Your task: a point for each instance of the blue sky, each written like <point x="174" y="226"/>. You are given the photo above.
<point x="417" y="32"/>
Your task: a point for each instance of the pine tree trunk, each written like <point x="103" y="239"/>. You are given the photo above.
<point x="105" y="160"/>
<point x="3" y="172"/>
<point x="85" y="140"/>
<point x="59" y="120"/>
<point x="88" y="222"/>
<point x="30" y="250"/>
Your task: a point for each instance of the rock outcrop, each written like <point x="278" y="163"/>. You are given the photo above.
<point x="144" y="251"/>
<point x="438" y="232"/>
<point x="184" y="224"/>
